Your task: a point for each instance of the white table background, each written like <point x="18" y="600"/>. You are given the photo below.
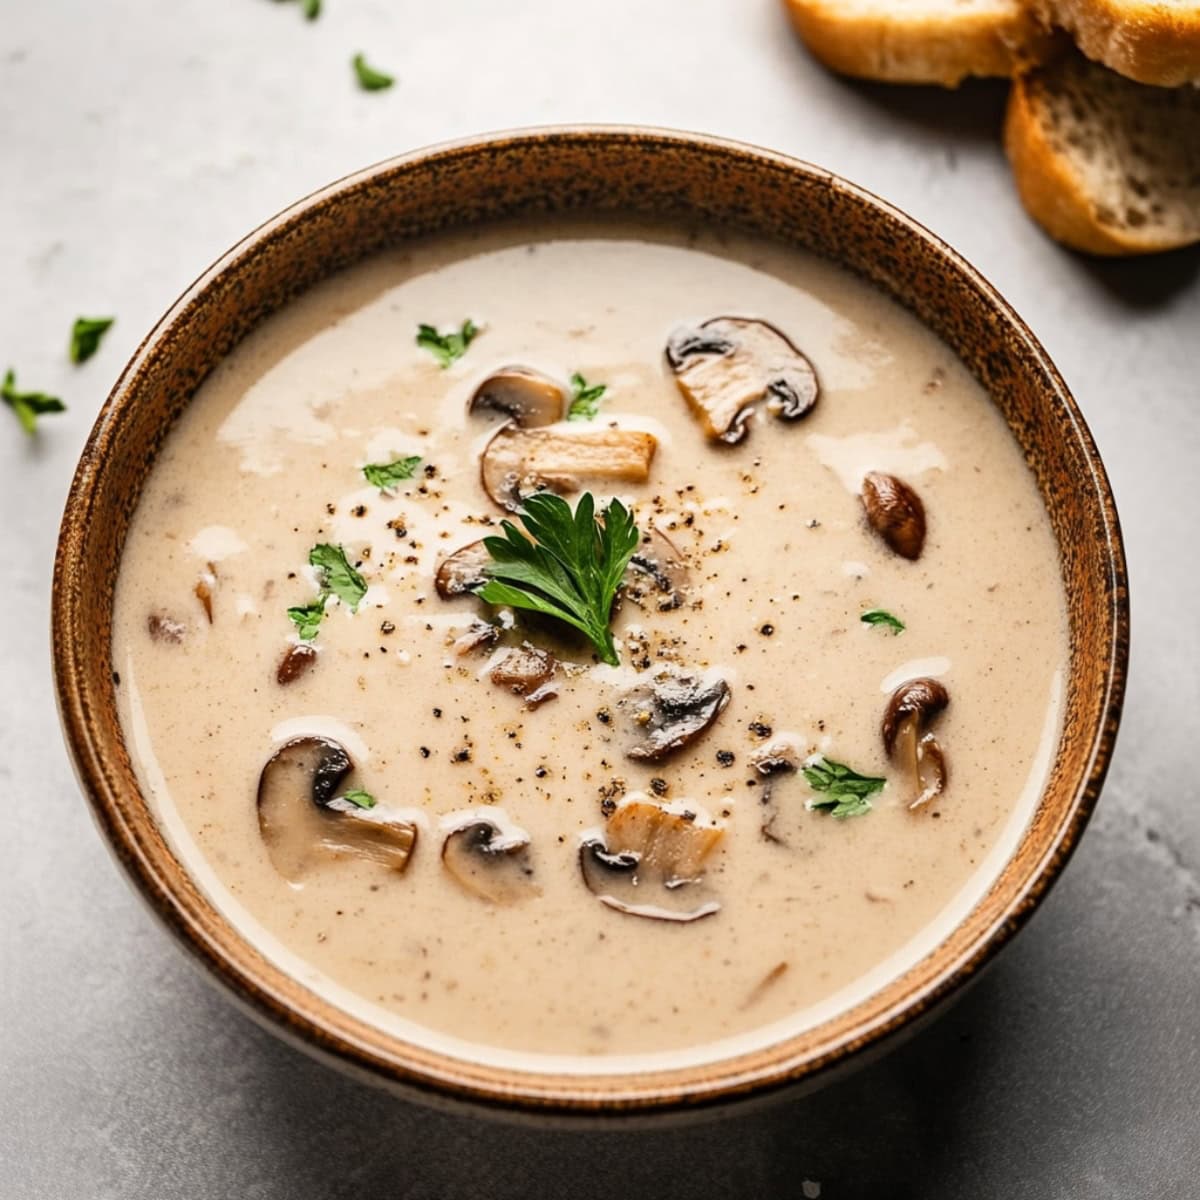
<point x="141" y="138"/>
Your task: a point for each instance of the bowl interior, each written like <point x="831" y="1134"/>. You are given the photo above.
<point x="639" y="173"/>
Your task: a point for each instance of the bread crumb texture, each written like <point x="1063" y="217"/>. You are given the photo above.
<point x="1104" y="164"/>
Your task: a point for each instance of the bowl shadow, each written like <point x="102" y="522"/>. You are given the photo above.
<point x="878" y="1132"/>
<point x="1145" y="283"/>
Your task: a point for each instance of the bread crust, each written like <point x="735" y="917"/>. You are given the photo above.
<point x="1142" y="39"/>
<point x="1054" y="195"/>
<point x="922" y="47"/>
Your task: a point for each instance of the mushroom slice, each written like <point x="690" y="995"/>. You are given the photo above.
<point x="490" y="861"/>
<point x="771" y="762"/>
<point x="299" y="659"/>
<point x="649" y="861"/>
<point x="205" y="588"/>
<point x="462" y="571"/>
<point x="658" y="562"/>
<point x="730" y="364"/>
<point x="479" y="634"/>
<point x="304" y="823"/>
<point x="526" y="671"/>
<point x="913" y="707"/>
<point x="672" y="711"/>
<point x="527" y="397"/>
<point x="895" y="512"/>
<point x="518" y="462"/>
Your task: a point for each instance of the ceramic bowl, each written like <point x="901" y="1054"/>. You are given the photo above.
<point x="597" y="171"/>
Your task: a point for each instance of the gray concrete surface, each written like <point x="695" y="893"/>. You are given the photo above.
<point x="139" y="139"/>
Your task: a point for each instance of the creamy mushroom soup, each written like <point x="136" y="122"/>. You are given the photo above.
<point x="592" y="642"/>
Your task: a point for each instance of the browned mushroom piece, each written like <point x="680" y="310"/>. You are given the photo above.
<point x="649" y="862"/>
<point x="298" y="659"/>
<point x="205" y="589"/>
<point x="304" y="823"/>
<point x="728" y="365"/>
<point x="525" y="396"/>
<point x="490" y="862"/>
<point x="519" y="462"/>
<point x="479" y="635"/>
<point x="165" y="629"/>
<point x="895" y="512"/>
<point x="671" y="711"/>
<point x="463" y="571"/>
<point x="657" y="571"/>
<point x="772" y="763"/>
<point x="527" y="671"/>
<point x="913" y="707"/>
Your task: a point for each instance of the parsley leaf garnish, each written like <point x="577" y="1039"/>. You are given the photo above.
<point x="880" y="616"/>
<point x="86" y="334"/>
<point x="585" y="402"/>
<point x="449" y="347"/>
<point x="387" y="475"/>
<point x="307" y="617"/>
<point x="359" y="797"/>
<point x="28" y="406"/>
<point x="337" y="576"/>
<point x="573" y="568"/>
<point x="844" y="792"/>
<point x="369" y="79"/>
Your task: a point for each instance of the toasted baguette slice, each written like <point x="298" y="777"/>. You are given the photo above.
<point x="1152" y="41"/>
<point x="1106" y="165"/>
<point x="921" y="41"/>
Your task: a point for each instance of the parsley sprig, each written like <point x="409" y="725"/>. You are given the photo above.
<point x="572" y="568"/>
<point x="369" y="79"/>
<point x="385" y="476"/>
<point x="27" y="406"/>
<point x="881" y="616"/>
<point x="449" y="347"/>
<point x="86" y="335"/>
<point x="307" y="617"/>
<point x="337" y="575"/>
<point x="843" y="791"/>
<point x="585" y="399"/>
<point x="337" y="578"/>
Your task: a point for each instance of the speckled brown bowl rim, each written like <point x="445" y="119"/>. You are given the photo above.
<point x="301" y="1016"/>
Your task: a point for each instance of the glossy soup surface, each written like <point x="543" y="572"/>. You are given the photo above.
<point x="780" y="565"/>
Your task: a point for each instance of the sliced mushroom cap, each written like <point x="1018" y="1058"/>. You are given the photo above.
<point x="649" y="862"/>
<point x="296" y="661"/>
<point x="303" y="823"/>
<point x="672" y="711"/>
<point x="525" y="396"/>
<point x="205" y="589"/>
<point x="478" y="635"/>
<point x="895" y="512"/>
<point x="913" y="707"/>
<point x="463" y="571"/>
<point x="660" y="564"/>
<point x="490" y="862"/>
<point x="526" y="671"/>
<point x="519" y="462"/>
<point x="730" y="364"/>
